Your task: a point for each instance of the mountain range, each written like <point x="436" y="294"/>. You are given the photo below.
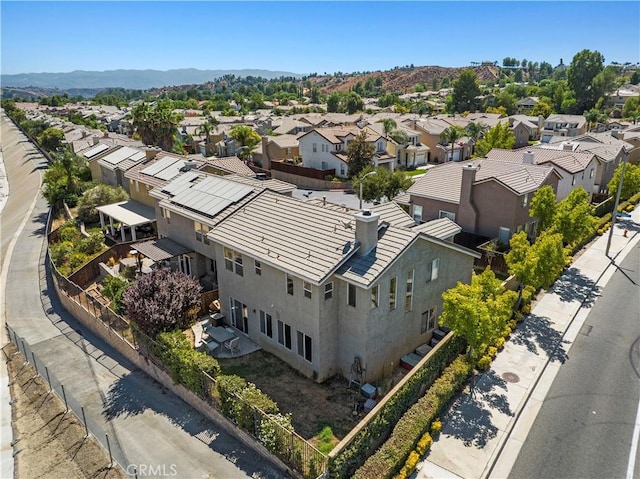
<point x="131" y="79"/>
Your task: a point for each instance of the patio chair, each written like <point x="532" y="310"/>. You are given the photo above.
<point x="233" y="345"/>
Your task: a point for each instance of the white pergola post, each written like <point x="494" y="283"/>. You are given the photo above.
<point x="113" y="231"/>
<point x="122" y="234"/>
<point x="101" y="220"/>
<point x="133" y="233"/>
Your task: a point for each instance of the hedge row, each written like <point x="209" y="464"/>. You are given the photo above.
<point x="347" y="461"/>
<point x="389" y="459"/>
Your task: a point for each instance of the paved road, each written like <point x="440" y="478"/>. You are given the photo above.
<point x="585" y="426"/>
<point x="147" y="425"/>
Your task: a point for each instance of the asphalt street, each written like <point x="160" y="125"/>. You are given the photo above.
<point x="147" y="425"/>
<point x="586" y="424"/>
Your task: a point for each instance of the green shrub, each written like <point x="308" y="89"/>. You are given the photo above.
<point x="272" y="432"/>
<point x="424" y="444"/>
<point x="114" y="288"/>
<point x="526" y="309"/>
<point x="436" y="427"/>
<point x="390" y="457"/>
<point x="499" y="343"/>
<point x="227" y="387"/>
<point x="69" y="232"/>
<point x="61" y="252"/>
<point x="91" y="244"/>
<point x="484" y="362"/>
<point x="244" y="408"/>
<point x="492" y="351"/>
<point x="325" y="440"/>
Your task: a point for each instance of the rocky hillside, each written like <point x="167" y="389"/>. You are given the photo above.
<point x="403" y="80"/>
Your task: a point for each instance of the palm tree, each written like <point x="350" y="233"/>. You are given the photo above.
<point x="247" y="138"/>
<point x="475" y="131"/>
<point x="451" y="135"/>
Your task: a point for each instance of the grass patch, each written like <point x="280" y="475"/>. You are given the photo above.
<point x="414" y="172"/>
<point x="325" y="441"/>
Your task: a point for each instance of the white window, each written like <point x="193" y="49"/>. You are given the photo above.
<point x="573" y="180"/>
<point x="339" y="147"/>
<point x="137" y="185"/>
<point x="315" y="147"/>
<point x="228" y="259"/>
<point x="290" y="285"/>
<point x="351" y="295"/>
<point x="428" y="320"/>
<point x="238" y="263"/>
<point x="325" y="165"/>
<point x="447" y="214"/>
<point x="307" y="289"/>
<point x="591" y="173"/>
<point x="417" y="213"/>
<point x="343" y="169"/>
<point x="166" y="214"/>
<point x="328" y="290"/>
<point x="284" y="334"/>
<point x="201" y="232"/>
<point x="184" y="261"/>
<point x="525" y="200"/>
<point x="432" y="270"/>
<point x="393" y="290"/>
<point x="266" y="324"/>
<point x="408" y="302"/>
<point x="258" y="267"/>
<point x="504" y="234"/>
<point x="375" y="297"/>
<point x="304" y="346"/>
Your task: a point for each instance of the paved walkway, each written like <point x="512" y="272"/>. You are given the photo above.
<point x="486" y="427"/>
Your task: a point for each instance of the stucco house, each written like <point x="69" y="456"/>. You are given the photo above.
<point x="487" y="198"/>
<point x="563" y="125"/>
<point x="318" y="285"/>
<point x="525" y="105"/>
<point x="407" y="155"/>
<point x="326" y="148"/>
<point x="575" y="168"/>
<point x="440" y="151"/>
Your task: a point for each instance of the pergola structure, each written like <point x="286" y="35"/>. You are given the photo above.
<point x="129" y="214"/>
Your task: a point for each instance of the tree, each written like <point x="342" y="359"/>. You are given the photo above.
<point x="247" y="138"/>
<point x="635" y="78"/>
<point x="630" y="183"/>
<point x="114" y="288"/>
<point x="542" y="108"/>
<point x="631" y="108"/>
<point x="451" y="135"/>
<point x="353" y="103"/>
<point x="51" y="139"/>
<point x="465" y="91"/>
<point x="156" y="124"/>
<point x="333" y="103"/>
<point x="574" y="218"/>
<point x="500" y="136"/>
<point x="584" y="67"/>
<point x="594" y="116"/>
<point x="537" y="265"/>
<point x="506" y="100"/>
<point x="64" y="179"/>
<point x="384" y="184"/>
<point x="388" y="125"/>
<point x="359" y="152"/>
<point x="543" y="207"/>
<point x="210" y="124"/>
<point x="478" y="311"/>
<point x="99" y="195"/>
<point x="475" y="131"/>
<point x="163" y="301"/>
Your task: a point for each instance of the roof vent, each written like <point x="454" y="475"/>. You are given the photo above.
<point x="366" y="213"/>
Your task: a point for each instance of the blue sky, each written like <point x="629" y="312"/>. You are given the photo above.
<point x="306" y="37"/>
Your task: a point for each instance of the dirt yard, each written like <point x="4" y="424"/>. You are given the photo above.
<point x="313" y="405"/>
<point x="51" y="443"/>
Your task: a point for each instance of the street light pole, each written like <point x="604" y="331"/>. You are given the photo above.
<point x="615" y="207"/>
<point x="361" y="181"/>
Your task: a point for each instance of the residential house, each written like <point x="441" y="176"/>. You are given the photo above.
<point x="440" y="151"/>
<point x="574" y="168"/>
<point x="525" y="128"/>
<point x="227" y="166"/>
<point x="563" y="125"/>
<point x="609" y="150"/>
<point x="525" y="105"/>
<point x="486" y="197"/>
<point x="326" y="148"/>
<point x="622" y="94"/>
<point x="108" y="165"/>
<point x="319" y="286"/>
<point x="407" y="155"/>
<point x="277" y="148"/>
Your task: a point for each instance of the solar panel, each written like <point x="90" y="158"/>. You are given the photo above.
<point x="119" y="155"/>
<point x="99" y="148"/>
<point x="180" y="183"/>
<point x="159" y="165"/>
<point x="170" y="171"/>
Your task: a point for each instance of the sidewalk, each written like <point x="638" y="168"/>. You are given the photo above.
<point x="484" y="430"/>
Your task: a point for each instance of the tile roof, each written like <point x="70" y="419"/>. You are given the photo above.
<point x="160" y="249"/>
<point x="159" y="170"/>
<point x="442" y="228"/>
<point x="272" y="184"/>
<point x="570" y="161"/>
<point x="303" y="238"/>
<point x="231" y="164"/>
<point x="443" y="182"/>
<point x="393" y="214"/>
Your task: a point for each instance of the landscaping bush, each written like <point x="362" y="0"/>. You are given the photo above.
<point x="243" y="410"/>
<point x="273" y="431"/>
<point x="92" y="244"/>
<point x="227" y="387"/>
<point x="352" y="456"/>
<point x="390" y="457"/>
<point x="114" y="288"/>
<point x="436" y="427"/>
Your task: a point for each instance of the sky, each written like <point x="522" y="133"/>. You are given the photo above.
<point x="306" y="36"/>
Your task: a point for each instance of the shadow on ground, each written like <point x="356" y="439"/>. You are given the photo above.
<point x="535" y="333"/>
<point x="133" y="394"/>
<point x="575" y="286"/>
<point x="470" y="418"/>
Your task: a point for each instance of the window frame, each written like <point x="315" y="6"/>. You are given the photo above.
<point x="257" y="265"/>
<point x="306" y="287"/>
<point x="351" y="295"/>
<point x="328" y="290"/>
<point x="408" y="301"/>
<point x="228" y="259"/>
<point x="393" y="293"/>
<point x="375" y="296"/>
<point x="434" y="266"/>
<point x="289" y="283"/>
<point x="304" y="346"/>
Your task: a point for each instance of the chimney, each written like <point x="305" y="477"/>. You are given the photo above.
<point x="324" y="201"/>
<point x="95" y="140"/>
<point x="150" y="152"/>
<point x="467" y="212"/>
<point x="366" y="231"/>
<point x="266" y="161"/>
<point x="189" y="165"/>
<point x="106" y="134"/>
<point x="528" y="157"/>
<point x="567" y="146"/>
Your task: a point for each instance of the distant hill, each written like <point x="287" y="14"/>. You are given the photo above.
<point x="132" y="79"/>
<point x="403" y="80"/>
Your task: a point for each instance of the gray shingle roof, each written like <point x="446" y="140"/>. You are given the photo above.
<point x="160" y="249"/>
